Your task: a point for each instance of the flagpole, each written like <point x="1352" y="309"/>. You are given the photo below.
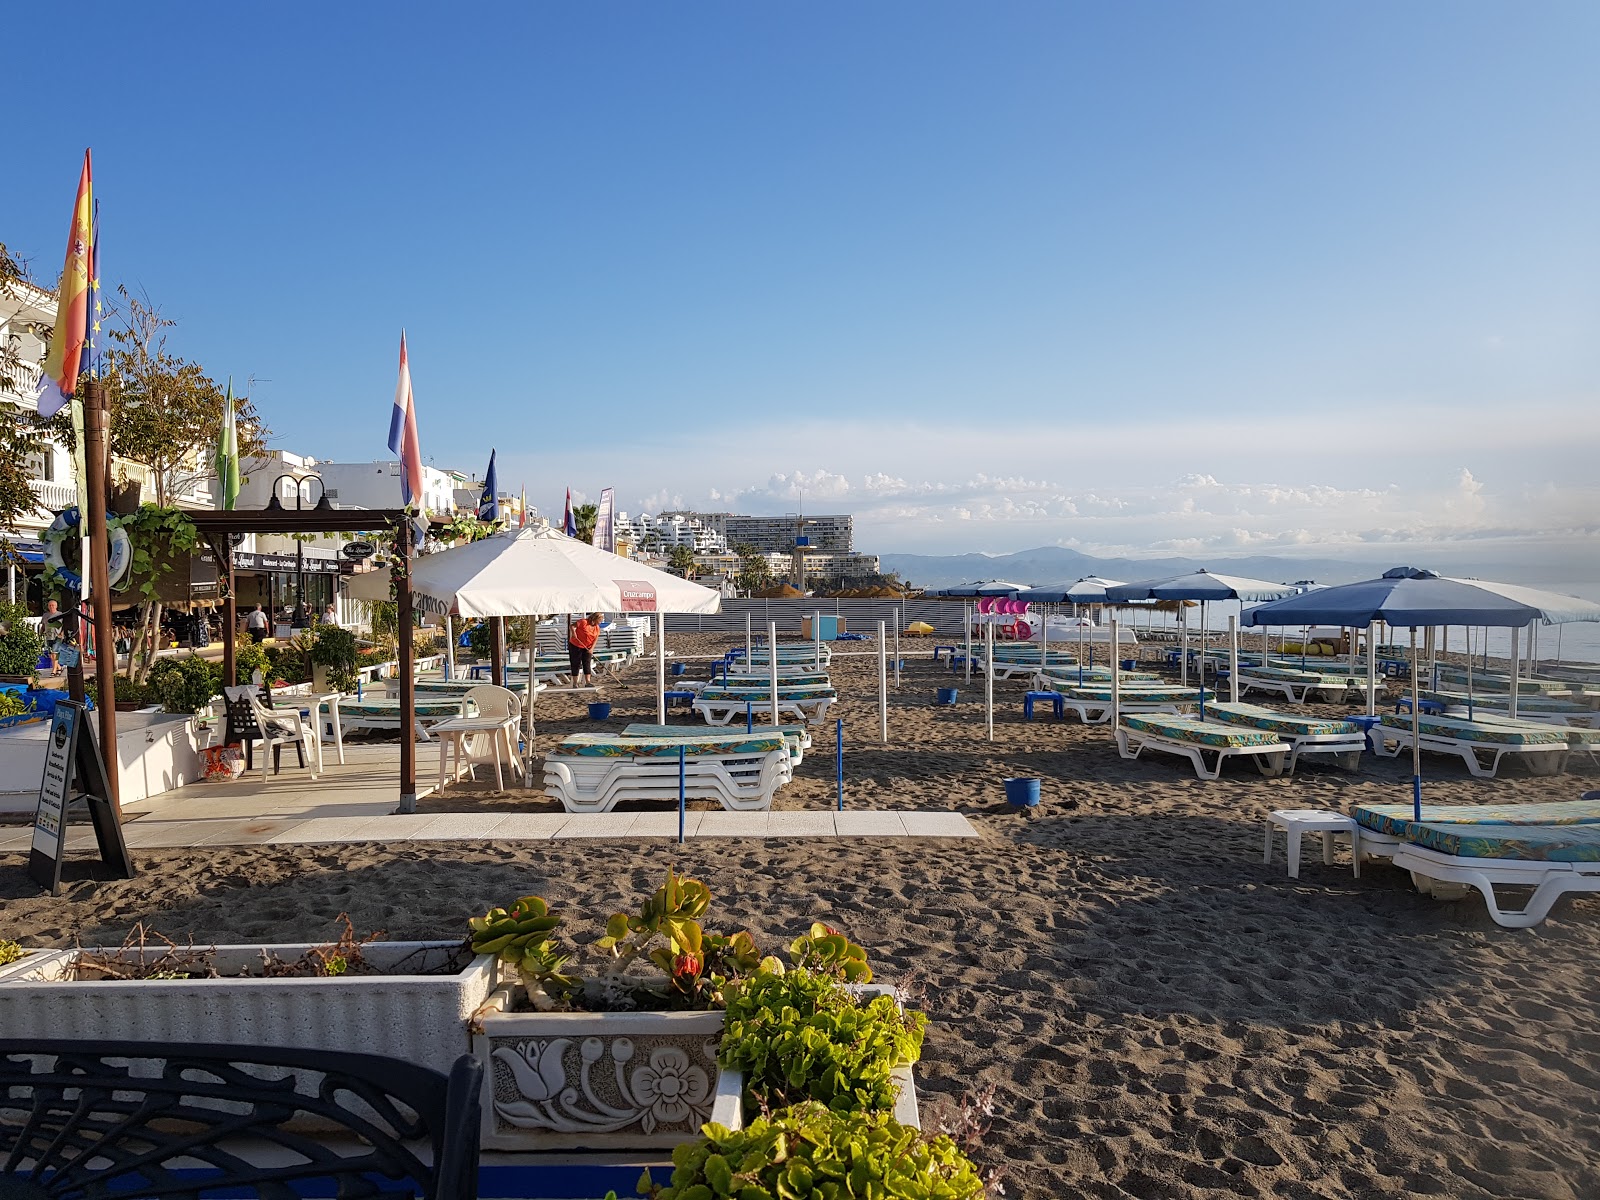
<point x="99" y="571"/>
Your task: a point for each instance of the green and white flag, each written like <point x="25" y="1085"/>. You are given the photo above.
<point x="228" y="453"/>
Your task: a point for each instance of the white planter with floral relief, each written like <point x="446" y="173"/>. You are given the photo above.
<point x="596" y="1081"/>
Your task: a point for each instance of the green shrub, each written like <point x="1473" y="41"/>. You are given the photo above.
<point x="21" y="644"/>
<point x="811" y="1151"/>
<point x="336" y="649"/>
<point x="801" y="1036"/>
<point x="182" y="685"/>
<point x="248" y="657"/>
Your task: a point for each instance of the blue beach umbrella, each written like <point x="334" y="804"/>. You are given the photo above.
<point x="1204" y="586"/>
<point x="1407" y="598"/>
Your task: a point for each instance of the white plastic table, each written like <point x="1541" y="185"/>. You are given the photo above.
<point x="1295" y="822"/>
<point x="454" y="732"/>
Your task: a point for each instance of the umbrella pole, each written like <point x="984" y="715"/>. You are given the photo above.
<point x="1372" y="669"/>
<point x="1233" y="659"/>
<point x="661" y="668"/>
<point x="749" y="646"/>
<point x="966" y="611"/>
<point x="772" y="666"/>
<point x="883" y="684"/>
<point x="988" y="678"/>
<point x="1202" y="660"/>
<point x="1516" y="653"/>
<point x="449" y="647"/>
<point x="1183" y="637"/>
<point x="816" y="636"/>
<point x="1044" y="636"/>
<point x="1116" y="680"/>
<point x="1470" y="706"/>
<point x="1080" y="648"/>
<point x="1416" y="734"/>
<point x="533" y="681"/>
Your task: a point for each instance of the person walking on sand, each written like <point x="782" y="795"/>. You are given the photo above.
<point x="256" y="625"/>
<point x="580" y="650"/>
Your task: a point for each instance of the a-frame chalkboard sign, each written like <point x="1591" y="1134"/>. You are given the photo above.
<point x="74" y="770"/>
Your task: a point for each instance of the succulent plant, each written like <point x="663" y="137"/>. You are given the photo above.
<point x="520" y="936"/>
<point x="697" y="964"/>
<point x="810" y="1151"/>
<point x="798" y="1035"/>
<point x="826" y="951"/>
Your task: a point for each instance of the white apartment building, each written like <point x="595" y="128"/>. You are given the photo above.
<point x="649" y="534"/>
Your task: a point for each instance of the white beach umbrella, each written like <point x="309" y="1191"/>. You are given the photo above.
<point x="532" y="572"/>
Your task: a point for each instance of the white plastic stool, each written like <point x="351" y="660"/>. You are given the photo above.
<point x="1297" y="821"/>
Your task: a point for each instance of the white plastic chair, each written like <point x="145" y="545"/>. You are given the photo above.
<point x="492" y="704"/>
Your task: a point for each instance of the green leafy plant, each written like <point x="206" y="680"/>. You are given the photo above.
<point x="21" y="644"/>
<point x="811" y="1151"/>
<point x="13" y="705"/>
<point x="826" y="951"/>
<point x="249" y="656"/>
<point x="182" y="685"/>
<point x="697" y="964"/>
<point x="521" y="937"/>
<point x="798" y="1035"/>
<point x="337" y="650"/>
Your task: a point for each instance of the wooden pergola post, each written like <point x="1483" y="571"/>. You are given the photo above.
<point x="408" y="672"/>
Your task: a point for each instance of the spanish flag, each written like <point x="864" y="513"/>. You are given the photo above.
<point x="69" y="344"/>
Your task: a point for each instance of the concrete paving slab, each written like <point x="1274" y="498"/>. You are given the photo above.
<point x="597" y="825"/>
<point x="800" y="824"/>
<point x="732" y="824"/>
<point x="868" y="824"/>
<point x="15" y="837"/>
<point x="320" y="829"/>
<point x="257" y="831"/>
<point x="532" y="827"/>
<point x="938" y="824"/>
<point x="664" y="824"/>
<point x="459" y="827"/>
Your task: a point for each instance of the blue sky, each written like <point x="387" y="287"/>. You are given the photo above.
<point x="1209" y="278"/>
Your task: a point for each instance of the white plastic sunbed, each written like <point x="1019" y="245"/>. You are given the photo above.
<point x="809" y="702"/>
<point x="1192" y="738"/>
<point x="797" y="736"/>
<point x="1543" y="747"/>
<point x="1345" y="740"/>
<point x="1444" y="860"/>
<point x="1093" y="704"/>
<point x="1384" y="826"/>
<point x="596" y="772"/>
<point x="1297" y="686"/>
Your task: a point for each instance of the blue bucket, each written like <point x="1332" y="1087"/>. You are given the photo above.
<point x="679" y="668"/>
<point x="947" y="695"/>
<point x="599" y="711"/>
<point x="1130" y="664"/>
<point x="1022" y="793"/>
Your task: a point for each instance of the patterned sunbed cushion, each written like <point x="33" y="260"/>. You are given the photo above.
<point x="603" y="745"/>
<point x="1393" y="819"/>
<point x="1137" y="694"/>
<point x="1499" y="733"/>
<point x="1501" y="701"/>
<point x="460" y="687"/>
<point x="1069" y="676"/>
<point x="427" y="708"/>
<point x="794" y="734"/>
<point x="1502" y="683"/>
<point x="1575" y="737"/>
<point x="1559" y="843"/>
<point x="1311" y="678"/>
<point x="1254" y="716"/>
<point x="1201" y="733"/>
<point x="740" y="695"/>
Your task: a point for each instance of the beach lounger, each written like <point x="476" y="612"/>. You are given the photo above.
<point x="1553" y="860"/>
<point x="1298" y="686"/>
<point x="596" y="772"/>
<point x="1552" y="709"/>
<point x="1383" y="826"/>
<point x="1053" y="678"/>
<point x="786" y="676"/>
<point x="1093" y="704"/>
<point x="1191" y="738"/>
<point x="809" y="702"/>
<point x="790" y="652"/>
<point x="1494" y="681"/>
<point x="797" y="736"/>
<point x="1345" y="740"/>
<point x="1543" y="747"/>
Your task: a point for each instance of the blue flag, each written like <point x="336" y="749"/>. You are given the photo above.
<point x="489" y="502"/>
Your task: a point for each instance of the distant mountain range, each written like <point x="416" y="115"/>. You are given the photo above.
<point x="1056" y="564"/>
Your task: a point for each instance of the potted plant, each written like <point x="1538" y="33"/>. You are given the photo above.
<point x="622" y="1059"/>
<point x="335" y="655"/>
<point x="183" y="686"/>
<point x="407" y="1000"/>
<point x="21" y="644"/>
<point x="800" y="1151"/>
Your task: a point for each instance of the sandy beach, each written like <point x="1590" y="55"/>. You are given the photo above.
<point x="1158" y="1013"/>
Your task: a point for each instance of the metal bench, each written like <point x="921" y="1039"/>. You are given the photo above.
<point x="152" y="1119"/>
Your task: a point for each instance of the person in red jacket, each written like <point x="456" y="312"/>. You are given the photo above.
<point x="580" y="650"/>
